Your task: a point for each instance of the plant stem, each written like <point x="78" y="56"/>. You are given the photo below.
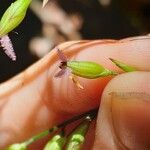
<point x="91" y="113"/>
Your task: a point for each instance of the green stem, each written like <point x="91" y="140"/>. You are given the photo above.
<point x="91" y="113"/>
<point x="37" y="137"/>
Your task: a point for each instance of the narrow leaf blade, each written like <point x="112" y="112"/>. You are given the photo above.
<point x="123" y="66"/>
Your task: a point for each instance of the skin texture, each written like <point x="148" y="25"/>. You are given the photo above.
<point x="35" y="100"/>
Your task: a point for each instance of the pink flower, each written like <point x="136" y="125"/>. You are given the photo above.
<point x="7" y="46"/>
<point x="62" y="66"/>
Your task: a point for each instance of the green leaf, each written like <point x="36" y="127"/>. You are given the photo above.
<point x="13" y="16"/>
<point x="88" y="69"/>
<point x="123" y="66"/>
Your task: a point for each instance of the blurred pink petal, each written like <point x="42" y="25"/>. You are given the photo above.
<point x="7" y="46"/>
<point x="61" y="55"/>
<point x="60" y="73"/>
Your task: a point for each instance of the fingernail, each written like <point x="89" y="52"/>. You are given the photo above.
<point x="130" y="113"/>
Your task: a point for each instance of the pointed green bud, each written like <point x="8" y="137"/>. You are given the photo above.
<point x="56" y="143"/>
<point x="17" y="146"/>
<point x="77" y="137"/>
<point x="88" y="69"/>
<point x="13" y="16"/>
<point x="123" y="66"/>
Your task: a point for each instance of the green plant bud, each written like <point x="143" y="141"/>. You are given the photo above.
<point x="13" y="16"/>
<point x="123" y="66"/>
<point x="88" y="69"/>
<point x="18" y="146"/>
<point x="77" y="137"/>
<point x="56" y="143"/>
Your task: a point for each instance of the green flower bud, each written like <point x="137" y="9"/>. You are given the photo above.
<point x="123" y="66"/>
<point x="18" y="146"/>
<point x="88" y="69"/>
<point x="13" y="16"/>
<point x="85" y="69"/>
<point x="56" y="143"/>
<point x="77" y="138"/>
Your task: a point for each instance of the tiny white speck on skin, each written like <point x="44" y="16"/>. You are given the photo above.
<point x="45" y="2"/>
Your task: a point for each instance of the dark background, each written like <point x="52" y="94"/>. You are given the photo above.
<point x="122" y="18"/>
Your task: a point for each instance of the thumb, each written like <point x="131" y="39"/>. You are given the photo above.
<point x="124" y="116"/>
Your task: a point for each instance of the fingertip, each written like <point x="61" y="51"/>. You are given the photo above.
<point x="123" y="119"/>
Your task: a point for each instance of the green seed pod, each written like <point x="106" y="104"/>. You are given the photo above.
<point x="123" y="66"/>
<point x="88" y="69"/>
<point x="56" y="143"/>
<point x="13" y="16"/>
<point x="77" y="137"/>
<point x="18" y="146"/>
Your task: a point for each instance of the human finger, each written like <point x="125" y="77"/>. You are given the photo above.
<point x="42" y="100"/>
<point x="124" y="116"/>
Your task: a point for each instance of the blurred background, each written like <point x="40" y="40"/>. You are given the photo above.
<point x="64" y="20"/>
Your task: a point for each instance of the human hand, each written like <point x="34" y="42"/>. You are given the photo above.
<point x="35" y="100"/>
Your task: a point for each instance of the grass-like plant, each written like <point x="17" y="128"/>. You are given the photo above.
<point x="75" y="139"/>
<point x="86" y="69"/>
